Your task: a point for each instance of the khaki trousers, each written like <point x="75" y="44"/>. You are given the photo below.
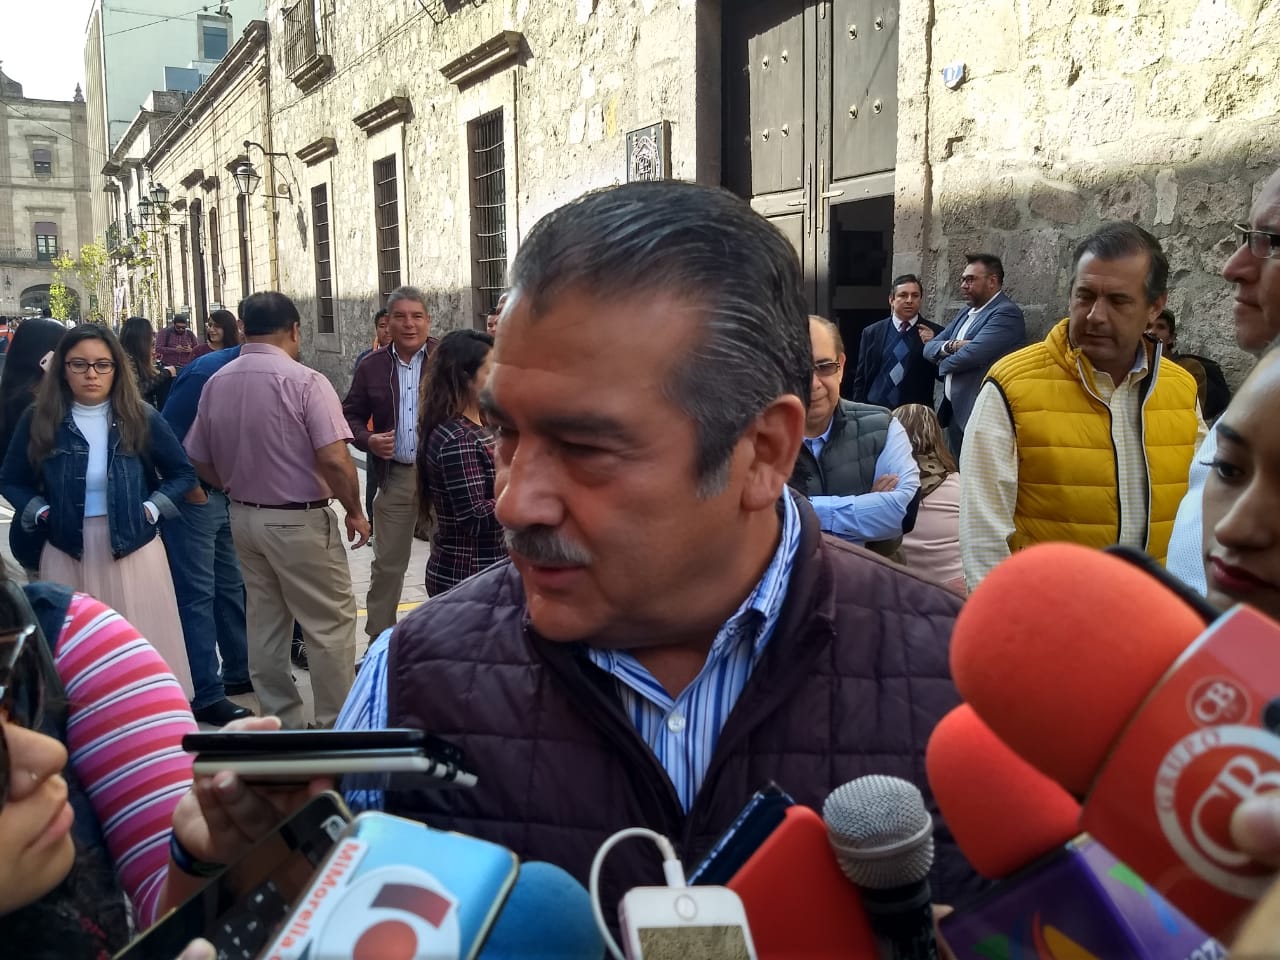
<point x="395" y="515"/>
<point x="295" y="567"/>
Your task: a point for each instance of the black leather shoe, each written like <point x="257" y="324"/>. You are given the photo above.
<point x="222" y="712"/>
<point x="298" y="654"/>
<point x="238" y="689"/>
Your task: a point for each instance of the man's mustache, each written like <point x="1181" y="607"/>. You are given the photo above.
<point x="545" y="547"/>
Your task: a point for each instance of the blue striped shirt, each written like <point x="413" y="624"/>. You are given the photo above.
<point x="682" y="731"/>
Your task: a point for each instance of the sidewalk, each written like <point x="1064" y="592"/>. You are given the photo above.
<point x="360" y="562"/>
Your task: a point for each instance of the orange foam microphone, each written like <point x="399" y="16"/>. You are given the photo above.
<point x="1003" y="812"/>
<point x="1060" y="895"/>
<point x="1103" y="675"/>
<point x="1058" y="647"/>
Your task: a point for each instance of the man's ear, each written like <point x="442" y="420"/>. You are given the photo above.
<point x="773" y="441"/>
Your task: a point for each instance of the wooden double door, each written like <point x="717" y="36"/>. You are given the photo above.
<point x="810" y="136"/>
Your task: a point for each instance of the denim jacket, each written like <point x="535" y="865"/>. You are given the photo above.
<point x="162" y="477"/>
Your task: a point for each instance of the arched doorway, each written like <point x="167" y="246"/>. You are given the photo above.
<point x="36" y="299"/>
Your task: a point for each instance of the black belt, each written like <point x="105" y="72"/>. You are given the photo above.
<point x="309" y="505"/>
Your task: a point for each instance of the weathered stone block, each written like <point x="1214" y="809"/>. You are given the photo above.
<point x="1214" y="29"/>
<point x="1102" y="113"/>
<point x="1033" y="263"/>
<point x="1177" y="93"/>
<point x="1164" y="149"/>
<point x="1203" y="203"/>
<point x="1061" y="204"/>
<point x="1166" y="196"/>
<point x="1130" y="199"/>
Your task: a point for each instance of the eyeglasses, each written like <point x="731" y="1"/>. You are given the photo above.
<point x="827" y="368"/>
<point x="79" y="365"/>
<point x="18" y="667"/>
<point x="970" y="278"/>
<point x="1263" y="245"/>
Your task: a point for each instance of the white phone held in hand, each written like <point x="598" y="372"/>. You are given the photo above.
<point x="682" y="923"/>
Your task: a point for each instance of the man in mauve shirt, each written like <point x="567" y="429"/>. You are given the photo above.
<point x="270" y="432"/>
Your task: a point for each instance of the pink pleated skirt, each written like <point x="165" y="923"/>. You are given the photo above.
<point x="138" y="587"/>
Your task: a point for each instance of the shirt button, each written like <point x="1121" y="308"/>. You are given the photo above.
<point x="675" y="722"/>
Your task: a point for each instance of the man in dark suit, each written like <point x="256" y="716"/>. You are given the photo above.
<point x="991" y="326"/>
<point x="892" y="369"/>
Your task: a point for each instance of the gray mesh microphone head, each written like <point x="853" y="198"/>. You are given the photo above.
<point x="881" y="832"/>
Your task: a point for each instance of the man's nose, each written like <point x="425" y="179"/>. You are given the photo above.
<point x="527" y="489"/>
<point x="1241" y="267"/>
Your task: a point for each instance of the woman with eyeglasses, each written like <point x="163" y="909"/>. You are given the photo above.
<point x="94" y="469"/>
<point x="220" y="332"/>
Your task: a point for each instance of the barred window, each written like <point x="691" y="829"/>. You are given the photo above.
<point x="487" y="156"/>
<point x="387" y="221"/>
<point x="323" y="257"/>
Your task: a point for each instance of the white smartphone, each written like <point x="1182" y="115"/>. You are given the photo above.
<point x="681" y="923"/>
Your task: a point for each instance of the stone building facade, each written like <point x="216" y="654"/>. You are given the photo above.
<point x="421" y="140"/>
<point x="214" y="245"/>
<point x="425" y="139"/>
<point x="44" y="195"/>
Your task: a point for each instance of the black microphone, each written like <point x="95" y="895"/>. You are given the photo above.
<point x="883" y="840"/>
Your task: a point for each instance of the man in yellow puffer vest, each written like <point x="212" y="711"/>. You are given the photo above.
<point x="1085" y="436"/>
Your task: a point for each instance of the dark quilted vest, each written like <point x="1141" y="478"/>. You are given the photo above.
<point x="852" y="683"/>
<point x="847" y="465"/>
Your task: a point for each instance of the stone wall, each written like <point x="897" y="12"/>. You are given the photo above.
<point x="1078" y="111"/>
<point x="587" y="72"/>
<point x="208" y="136"/>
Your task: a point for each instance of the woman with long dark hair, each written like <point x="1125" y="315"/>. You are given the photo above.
<point x="932" y="548"/>
<point x="138" y="338"/>
<point x="220" y="332"/>
<point x="34" y="340"/>
<point x="94" y="469"/>
<point x="455" y="461"/>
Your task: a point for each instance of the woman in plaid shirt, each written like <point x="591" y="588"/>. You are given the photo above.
<point x="455" y="461"/>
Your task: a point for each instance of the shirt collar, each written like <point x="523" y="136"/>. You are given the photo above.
<point x="977" y="310"/>
<point x="825" y="435"/>
<point x="412" y="360"/>
<point x="898" y="323"/>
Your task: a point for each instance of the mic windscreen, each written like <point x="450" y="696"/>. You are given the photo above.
<point x="1003" y="812"/>
<point x="881" y="832"/>
<point x="547" y="916"/>
<point x="1058" y="646"/>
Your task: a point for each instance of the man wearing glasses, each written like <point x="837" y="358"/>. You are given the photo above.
<point x="1085" y="437"/>
<point x="1255" y="270"/>
<point x="964" y="351"/>
<point x="856" y="463"/>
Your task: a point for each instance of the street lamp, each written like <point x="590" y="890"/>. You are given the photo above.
<point x="146" y="210"/>
<point x="247" y="178"/>
<point x="160" y="195"/>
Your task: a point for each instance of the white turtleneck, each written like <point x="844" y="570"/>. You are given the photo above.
<point x="95" y="423"/>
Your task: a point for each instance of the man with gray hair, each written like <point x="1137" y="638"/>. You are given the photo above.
<point x="385" y="390"/>
<point x="1254" y="268"/>
<point x="1085" y="437"/>
<point x="672" y="630"/>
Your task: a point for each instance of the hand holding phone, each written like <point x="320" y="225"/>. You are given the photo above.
<point x="222" y="816"/>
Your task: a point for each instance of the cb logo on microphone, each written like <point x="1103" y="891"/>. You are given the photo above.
<point x="1202" y="779"/>
<point x="1217" y="700"/>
